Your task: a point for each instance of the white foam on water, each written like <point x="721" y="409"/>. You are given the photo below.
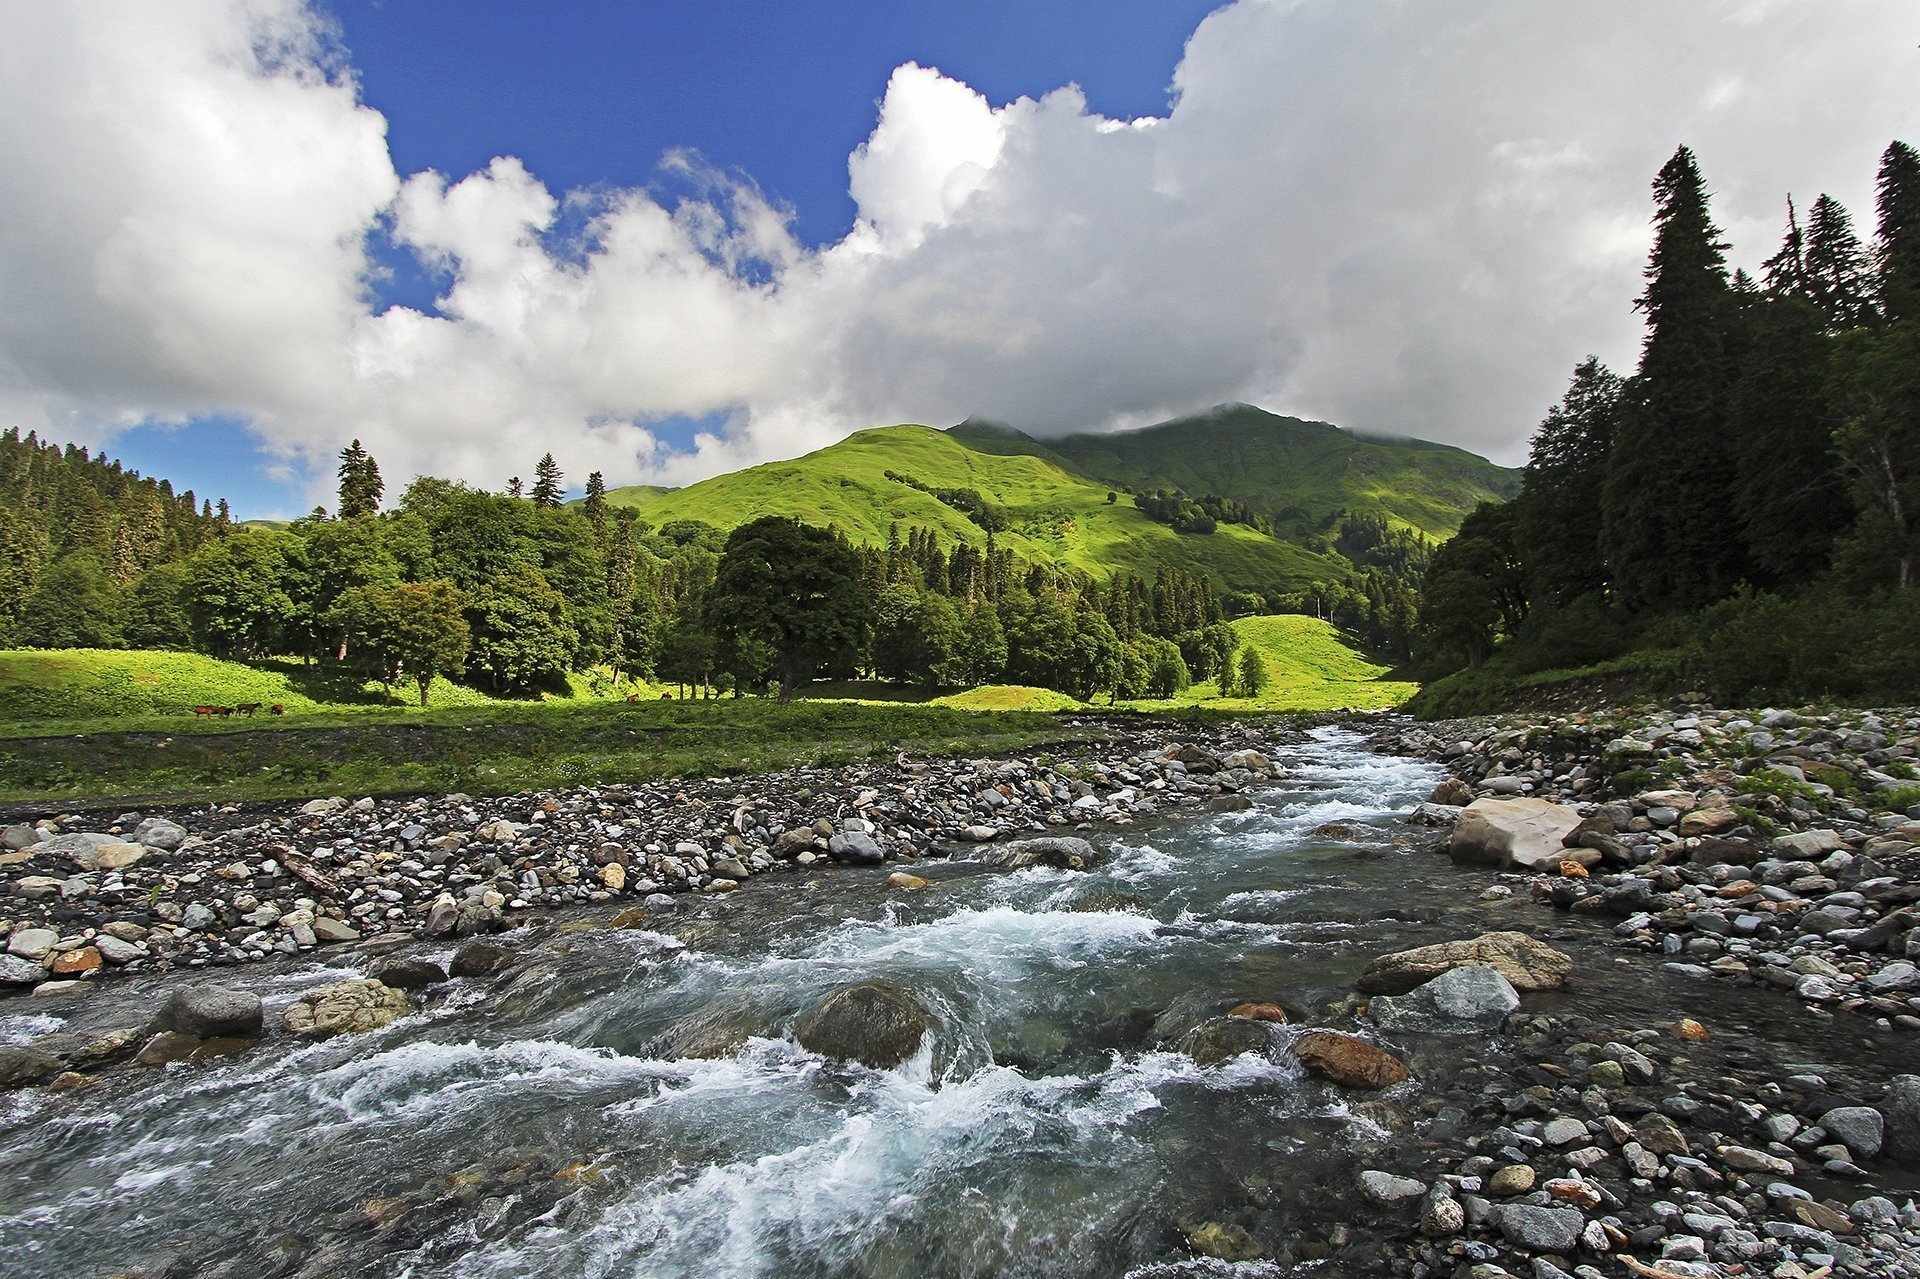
<point x="22" y="1028"/>
<point x="996" y="939"/>
<point x="421" y="1078"/>
<point x="897" y="1143"/>
<point x="1260" y="897"/>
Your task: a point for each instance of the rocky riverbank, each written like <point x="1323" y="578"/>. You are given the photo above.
<point x="1773" y="847"/>
<point x="84" y="898"/>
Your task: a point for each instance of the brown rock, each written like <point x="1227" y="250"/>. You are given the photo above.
<point x="84" y="960"/>
<point x="1690" y="1030"/>
<point x="1348" y="1061"/>
<point x="1709" y="821"/>
<point x="1810" y="1212"/>
<point x="900" y="879"/>
<point x="614" y="876"/>
<point x="1526" y="963"/>
<point x="1258" y="1012"/>
<point x="1453" y="792"/>
<point x="1661" y="1135"/>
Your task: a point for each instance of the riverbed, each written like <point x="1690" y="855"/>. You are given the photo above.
<point x="564" y="1116"/>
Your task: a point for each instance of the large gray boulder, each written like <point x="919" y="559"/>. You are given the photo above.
<point x="1068" y="852"/>
<point x="15" y="971"/>
<point x="1900" y="1108"/>
<point x="1539" y="1229"/>
<point x="1457" y="1002"/>
<point x="1517" y="834"/>
<point x="158" y="832"/>
<point x="1525" y="962"/>
<point x="872" y="1022"/>
<point x="211" y="1012"/>
<point x="856" y="848"/>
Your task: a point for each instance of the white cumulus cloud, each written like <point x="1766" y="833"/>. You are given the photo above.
<point x="1397" y="216"/>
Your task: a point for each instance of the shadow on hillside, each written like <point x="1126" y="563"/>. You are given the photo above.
<point x="329" y="684"/>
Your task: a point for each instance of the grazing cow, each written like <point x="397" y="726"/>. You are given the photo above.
<point x="209" y="710"/>
<point x="278" y="709"/>
<point x="247" y="708"/>
<point x="633" y="697"/>
<point x="666" y="697"/>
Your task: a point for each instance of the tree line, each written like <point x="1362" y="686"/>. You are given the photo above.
<point x="1766" y="448"/>
<point x="514" y="590"/>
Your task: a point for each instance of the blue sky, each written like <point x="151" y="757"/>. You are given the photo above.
<point x="452" y="229"/>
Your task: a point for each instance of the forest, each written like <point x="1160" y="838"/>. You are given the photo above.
<point x="1741" y="514"/>
<point x="513" y="590"/>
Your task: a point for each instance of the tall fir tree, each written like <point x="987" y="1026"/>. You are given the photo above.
<point x="1839" y="276"/>
<point x="1787" y="493"/>
<point x="548" y="485"/>
<point x="360" y="484"/>
<point x="1897" y="241"/>
<point x="1671" y="468"/>
<point x="596" y="508"/>
<point x="1566" y="468"/>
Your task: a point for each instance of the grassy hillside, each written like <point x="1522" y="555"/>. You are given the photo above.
<point x="1302" y="474"/>
<point x="1055" y="515"/>
<point x="1309" y="668"/>
<point x="87" y="683"/>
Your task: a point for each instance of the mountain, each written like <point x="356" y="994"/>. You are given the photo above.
<point x="1053" y="494"/>
<point x="1302" y="475"/>
<point x="1051" y="514"/>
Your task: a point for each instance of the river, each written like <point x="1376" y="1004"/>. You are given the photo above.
<point x="538" y="1122"/>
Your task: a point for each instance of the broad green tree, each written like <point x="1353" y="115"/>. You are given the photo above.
<point x="406" y="630"/>
<point x="521" y="639"/>
<point x="75" y="605"/>
<point x="796" y="588"/>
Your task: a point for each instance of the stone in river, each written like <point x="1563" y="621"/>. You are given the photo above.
<point x="25" y="1065"/>
<point x="1258" y="1012"/>
<point x="1349" y="1061"/>
<point x="1526" y="963"/>
<point x="477" y="958"/>
<point x="406" y="974"/>
<point x="872" y="1022"/>
<point x="1458" y="1001"/>
<point x="211" y="1012"/>
<point x="1901" y="1108"/>
<point x="1229" y="804"/>
<point x="1539" y="1229"/>
<point x="1224" y="1038"/>
<point x="1384" y="1188"/>
<point x="1861" y="1129"/>
<point x="345" y="1007"/>
<point x="1068" y="852"/>
<point x="1523" y="834"/>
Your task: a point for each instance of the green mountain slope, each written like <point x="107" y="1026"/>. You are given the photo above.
<point x="1054" y="515"/>
<point x="1302" y="474"/>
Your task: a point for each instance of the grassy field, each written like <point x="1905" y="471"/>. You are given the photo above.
<point x="493" y="749"/>
<point x="83" y="685"/>
<point x="1056" y="516"/>
<point x="86" y="727"/>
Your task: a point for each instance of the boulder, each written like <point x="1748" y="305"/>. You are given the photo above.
<point x="335" y="931"/>
<point x="32" y="943"/>
<point x="1349" y="1061"/>
<point x="1229" y="804"/>
<point x="1526" y="963"/>
<point x="211" y="1012"/>
<point x="1458" y="1001"/>
<point x="1387" y="1190"/>
<point x="20" y="1066"/>
<point x="478" y="958"/>
<point x="1538" y="1229"/>
<point x="872" y="1022"/>
<point x="1068" y="852"/>
<point x="1900" y="1109"/>
<point x="161" y="834"/>
<point x="406" y="974"/>
<point x="1453" y="793"/>
<point x="1807" y="845"/>
<point x="345" y="1007"/>
<point x="1523" y="834"/>
<point x="855" y="848"/>
<point x="15" y="971"/>
<point x="1224" y="1038"/>
<point x="1861" y="1129"/>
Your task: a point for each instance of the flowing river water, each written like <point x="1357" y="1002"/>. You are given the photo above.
<point x="549" y="1120"/>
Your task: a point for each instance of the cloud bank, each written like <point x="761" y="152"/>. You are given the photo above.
<point x="1396" y="216"/>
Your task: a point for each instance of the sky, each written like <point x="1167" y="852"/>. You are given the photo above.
<point x="665" y="241"/>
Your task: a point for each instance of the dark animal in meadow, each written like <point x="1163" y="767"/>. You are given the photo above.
<point x="247" y="708"/>
<point x="278" y="709"/>
<point x="633" y="697"/>
<point x="213" y="710"/>
<point x="666" y="697"/>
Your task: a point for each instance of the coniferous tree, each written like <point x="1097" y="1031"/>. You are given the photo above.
<point x="1672" y="466"/>
<point x="548" y="488"/>
<point x="1565" y="471"/>
<point x="1897" y="241"/>
<point x="596" y="507"/>
<point x="1786" y="270"/>
<point x="513" y="486"/>
<point x="1788" y="495"/>
<point x="1839" y="279"/>
<point x="360" y="484"/>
